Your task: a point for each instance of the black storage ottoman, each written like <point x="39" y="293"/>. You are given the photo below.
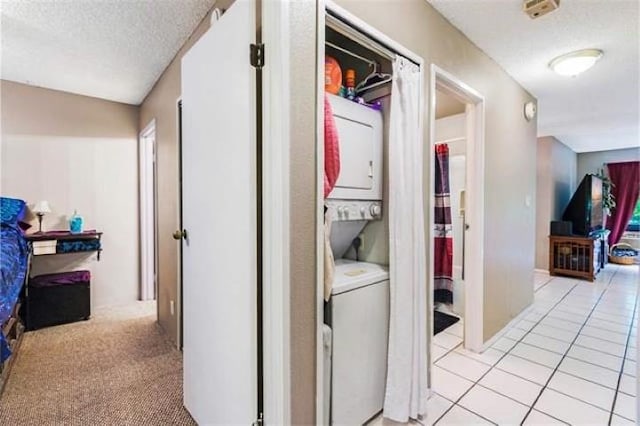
<point x="58" y="299"/>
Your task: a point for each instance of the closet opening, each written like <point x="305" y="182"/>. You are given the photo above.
<point x="456" y="194"/>
<point x="360" y="126"/>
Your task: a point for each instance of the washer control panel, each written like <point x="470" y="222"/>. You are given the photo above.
<point x="345" y="210"/>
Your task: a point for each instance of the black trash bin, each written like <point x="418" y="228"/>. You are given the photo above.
<point x="54" y="299"/>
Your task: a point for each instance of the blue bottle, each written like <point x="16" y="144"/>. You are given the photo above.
<point x="76" y="223"/>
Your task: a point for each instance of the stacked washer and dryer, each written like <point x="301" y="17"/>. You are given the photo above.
<point x="357" y="315"/>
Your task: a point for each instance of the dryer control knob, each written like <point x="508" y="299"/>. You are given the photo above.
<point x="375" y="210"/>
<point x="363" y="211"/>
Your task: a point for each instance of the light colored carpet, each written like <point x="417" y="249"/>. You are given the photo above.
<point x="115" y="369"/>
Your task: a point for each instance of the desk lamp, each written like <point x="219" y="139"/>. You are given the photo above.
<point x="40" y="209"/>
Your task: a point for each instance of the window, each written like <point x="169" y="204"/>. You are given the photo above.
<point x="634" y="223"/>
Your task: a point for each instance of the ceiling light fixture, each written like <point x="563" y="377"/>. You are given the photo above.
<point x="574" y="63"/>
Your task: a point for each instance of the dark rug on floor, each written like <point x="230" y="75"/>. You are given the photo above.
<point x="442" y="321"/>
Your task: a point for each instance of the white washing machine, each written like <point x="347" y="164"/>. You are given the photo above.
<point x="360" y="328"/>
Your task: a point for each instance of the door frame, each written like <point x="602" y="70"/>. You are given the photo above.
<point x="276" y="111"/>
<point x="148" y="204"/>
<point x="474" y="201"/>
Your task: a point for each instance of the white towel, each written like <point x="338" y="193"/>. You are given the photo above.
<point x="329" y="263"/>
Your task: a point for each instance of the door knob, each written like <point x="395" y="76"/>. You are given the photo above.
<point x="178" y="235"/>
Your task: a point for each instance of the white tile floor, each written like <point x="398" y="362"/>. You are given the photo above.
<point x="570" y="360"/>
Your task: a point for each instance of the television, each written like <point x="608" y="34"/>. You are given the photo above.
<point x="585" y="210"/>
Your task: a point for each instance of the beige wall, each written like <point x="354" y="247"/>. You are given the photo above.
<point x="79" y="153"/>
<point x="302" y="18"/>
<point x="556" y="182"/>
<point x="510" y="174"/>
<point x="591" y="162"/>
<point x="161" y="105"/>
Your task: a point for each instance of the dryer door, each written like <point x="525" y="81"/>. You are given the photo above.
<point x="360" y="137"/>
<point x="356" y="153"/>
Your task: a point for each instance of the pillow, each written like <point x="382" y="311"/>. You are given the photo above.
<point x="12" y="210"/>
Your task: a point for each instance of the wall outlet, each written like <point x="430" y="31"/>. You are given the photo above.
<point x="171" y="308"/>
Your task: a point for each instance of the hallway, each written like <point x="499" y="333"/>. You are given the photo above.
<point x="570" y="358"/>
<point x="115" y="369"/>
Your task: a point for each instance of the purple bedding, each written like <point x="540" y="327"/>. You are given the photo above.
<point x="63" y="278"/>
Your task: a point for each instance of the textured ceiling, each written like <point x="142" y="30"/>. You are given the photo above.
<point x="597" y="110"/>
<point x="110" y="49"/>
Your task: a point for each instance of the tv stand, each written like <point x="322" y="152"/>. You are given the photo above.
<point x="575" y="256"/>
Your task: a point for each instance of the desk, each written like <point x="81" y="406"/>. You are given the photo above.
<point x="61" y="297"/>
<point x="64" y="242"/>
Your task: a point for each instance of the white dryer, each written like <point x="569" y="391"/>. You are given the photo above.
<point x="361" y="150"/>
<point x="360" y="326"/>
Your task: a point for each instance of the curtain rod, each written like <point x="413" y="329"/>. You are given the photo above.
<point x="348" y="52"/>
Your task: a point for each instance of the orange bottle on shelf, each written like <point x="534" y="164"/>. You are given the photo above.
<point x="350" y="81"/>
<point x="332" y="75"/>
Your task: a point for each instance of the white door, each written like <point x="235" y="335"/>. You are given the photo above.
<point x="219" y="216"/>
<point x="457" y="183"/>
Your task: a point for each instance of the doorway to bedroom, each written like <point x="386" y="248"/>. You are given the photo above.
<point x="147" y="150"/>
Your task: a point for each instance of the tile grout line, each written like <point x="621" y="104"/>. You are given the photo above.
<point x="501" y="358"/>
<point x="597" y="317"/>
<point x="624" y="360"/>
<point x="577" y="344"/>
<point x="559" y="353"/>
<point x="551" y="278"/>
<point x="529" y="380"/>
<point x="551" y="368"/>
<point x="595" y="350"/>
<point x="541" y="316"/>
<point x="544" y="387"/>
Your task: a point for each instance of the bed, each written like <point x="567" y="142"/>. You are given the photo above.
<point x="14" y="258"/>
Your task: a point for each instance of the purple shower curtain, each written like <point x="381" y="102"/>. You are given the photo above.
<point x="443" y="241"/>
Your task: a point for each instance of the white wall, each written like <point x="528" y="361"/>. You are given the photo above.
<point x="77" y="153"/>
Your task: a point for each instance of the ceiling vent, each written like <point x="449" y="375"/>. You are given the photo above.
<point x="537" y="8"/>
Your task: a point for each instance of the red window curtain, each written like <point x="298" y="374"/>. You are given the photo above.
<point x="626" y="188"/>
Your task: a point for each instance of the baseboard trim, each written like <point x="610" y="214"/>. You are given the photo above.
<point x="542" y="271"/>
